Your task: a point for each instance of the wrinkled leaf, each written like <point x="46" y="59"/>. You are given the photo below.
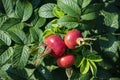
<point x="21" y="55"/>
<point x="5" y="56"/>
<point x="46" y="11"/>
<point x="5" y="38"/>
<point x="23" y="10"/>
<point x="9" y="7"/>
<point x="18" y="36"/>
<point x="70" y="7"/>
<point x="69" y="22"/>
<point x="84" y="3"/>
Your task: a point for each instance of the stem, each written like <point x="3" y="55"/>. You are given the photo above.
<point x="41" y="56"/>
<point x="69" y="72"/>
<point x="89" y="46"/>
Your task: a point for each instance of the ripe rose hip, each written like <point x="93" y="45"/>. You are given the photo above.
<point x="66" y="61"/>
<point x="56" y="44"/>
<point x="71" y="38"/>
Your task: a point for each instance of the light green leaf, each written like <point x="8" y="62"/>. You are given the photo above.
<point x="47" y="33"/>
<point x="114" y="78"/>
<point x="4" y="75"/>
<point x="89" y="16"/>
<point x="95" y="58"/>
<point x="93" y="68"/>
<point x="21" y="55"/>
<point x="5" y="38"/>
<point x="58" y="12"/>
<point x="9" y="7"/>
<point x="68" y="21"/>
<point x="18" y="36"/>
<point x="46" y="11"/>
<point x="111" y="20"/>
<point x="6" y="56"/>
<point x="23" y="10"/>
<point x="84" y="67"/>
<point x="11" y="24"/>
<point x="84" y="3"/>
<point x="70" y="7"/>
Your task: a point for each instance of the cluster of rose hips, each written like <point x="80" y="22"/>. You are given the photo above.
<point x="56" y="46"/>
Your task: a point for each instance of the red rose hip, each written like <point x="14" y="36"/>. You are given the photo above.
<point x="71" y="38"/>
<point x="56" y="44"/>
<point x="66" y="61"/>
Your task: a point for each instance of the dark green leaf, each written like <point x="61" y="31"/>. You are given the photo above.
<point x="45" y="72"/>
<point x="110" y="46"/>
<point x="89" y="16"/>
<point x="85" y="66"/>
<point x="5" y="56"/>
<point x="46" y="10"/>
<point x="17" y="74"/>
<point x="2" y="20"/>
<point x="111" y="20"/>
<point x="9" y="7"/>
<point x="68" y="21"/>
<point x="23" y="10"/>
<point x="79" y="60"/>
<point x="21" y="56"/>
<point x="18" y="36"/>
<point x="84" y="3"/>
<point x="70" y="7"/>
<point x="5" y="37"/>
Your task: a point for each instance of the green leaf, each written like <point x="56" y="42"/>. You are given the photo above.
<point x="21" y="55"/>
<point x="58" y="12"/>
<point x="5" y="38"/>
<point x="35" y="35"/>
<point x="79" y="60"/>
<point x="95" y="58"/>
<point x="9" y="7"/>
<point x="38" y="21"/>
<point x="93" y="68"/>
<point x="111" y="21"/>
<point x="6" y="56"/>
<point x="68" y="21"/>
<point x="18" y="36"/>
<point x="47" y="33"/>
<point x="109" y="45"/>
<point x="17" y="74"/>
<point x="11" y="24"/>
<point x="70" y="7"/>
<point x="23" y="10"/>
<point x="46" y="11"/>
<point x="45" y="72"/>
<point x="2" y="20"/>
<point x="89" y="16"/>
<point x="114" y="78"/>
<point x="84" y="3"/>
<point x="4" y="75"/>
<point x="84" y="67"/>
